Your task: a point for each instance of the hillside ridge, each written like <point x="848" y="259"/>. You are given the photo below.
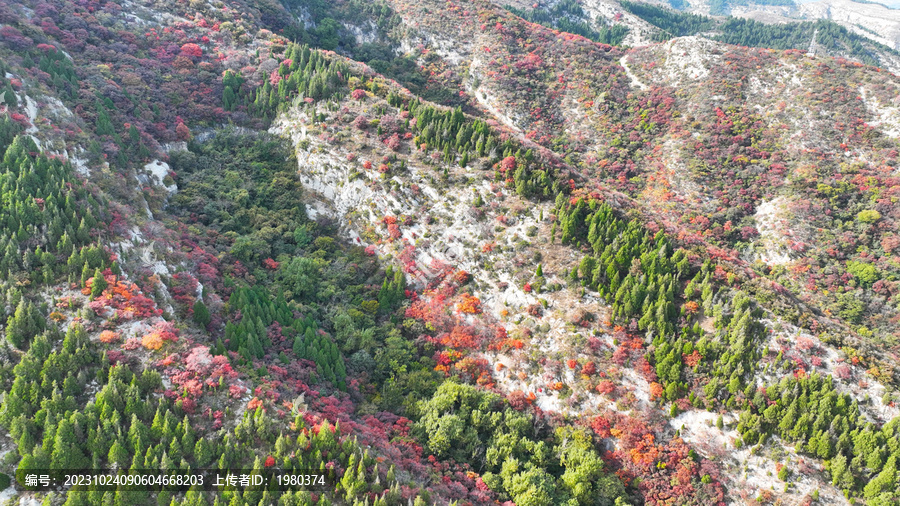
<point x="443" y="254"/>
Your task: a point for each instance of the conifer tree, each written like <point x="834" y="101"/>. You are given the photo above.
<point x="201" y="314"/>
<point x="99" y="284"/>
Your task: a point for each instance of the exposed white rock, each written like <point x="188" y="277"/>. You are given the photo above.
<point x="10" y="491"/>
<point x="7" y="494"/>
<point x="31" y="111"/>
<point x="365" y="33"/>
<point x="887" y="116"/>
<point x="772" y="225"/>
<point x="305" y="17"/>
<point x="604" y="13"/>
<point x="689" y="58"/>
<point x="159" y="170"/>
<point x="55" y="108"/>
<point x="170" y="147"/>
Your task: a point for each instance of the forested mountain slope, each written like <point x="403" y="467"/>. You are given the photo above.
<point x="443" y="255"/>
<point x="878" y="21"/>
<point x="636" y="23"/>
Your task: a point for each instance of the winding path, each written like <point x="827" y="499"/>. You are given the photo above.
<point x="634" y="80"/>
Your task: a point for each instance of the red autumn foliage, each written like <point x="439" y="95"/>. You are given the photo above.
<point x="606" y="387"/>
<point x="182" y="131"/>
<point x="842" y="371"/>
<point x="589" y="369"/>
<point x="394" y="232"/>
<point x="693" y="359"/>
<point x="192" y="50"/>
<point x="600" y="425"/>
<point x="691" y="307"/>
<point x="535" y="310"/>
<point x="620" y="355"/>
<point x="469" y="304"/>
<point x="459" y="337"/>
<point x="461" y="277"/>
<point x="393" y="142"/>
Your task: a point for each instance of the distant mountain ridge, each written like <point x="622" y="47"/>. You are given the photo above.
<point x="634" y="24"/>
<point x="874" y="20"/>
<point x="455" y="251"/>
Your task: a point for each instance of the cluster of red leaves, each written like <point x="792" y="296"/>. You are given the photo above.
<point x="606" y="387"/>
<point x="589" y="369"/>
<point x="434" y="304"/>
<point x="393" y="142"/>
<point x="108" y="337"/>
<point x="506" y="344"/>
<point x="461" y="277"/>
<point x="664" y="471"/>
<point x="460" y="337"/>
<point x="693" y="359"/>
<point x="160" y="334"/>
<point x="124" y="297"/>
<point x="184" y="290"/>
<point x="601" y="426"/>
<point x="691" y="307"/>
<point x="469" y="304"/>
<point x="628" y="349"/>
